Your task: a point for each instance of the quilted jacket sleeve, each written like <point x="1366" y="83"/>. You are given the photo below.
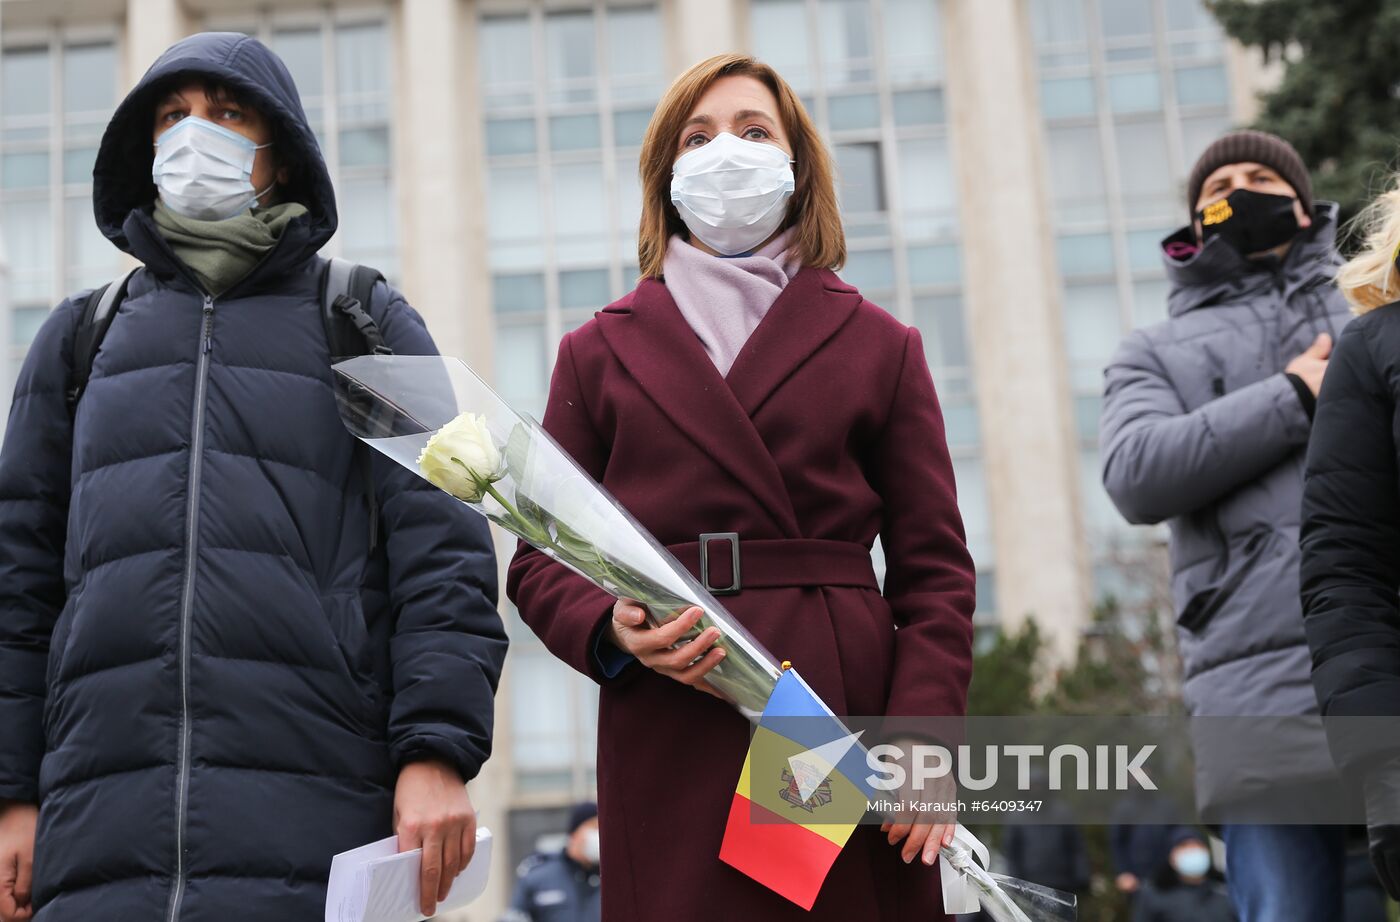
<point x="1350" y="536"/>
<point x="35" y="481"/>
<point x="1161" y="461"/>
<point x="449" y="643"/>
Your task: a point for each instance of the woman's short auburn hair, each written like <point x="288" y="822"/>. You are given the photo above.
<point x="812" y="209"/>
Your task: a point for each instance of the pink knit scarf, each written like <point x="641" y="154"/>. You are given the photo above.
<point x="724" y="298"/>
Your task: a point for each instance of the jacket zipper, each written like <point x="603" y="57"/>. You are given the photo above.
<point x="182" y="780"/>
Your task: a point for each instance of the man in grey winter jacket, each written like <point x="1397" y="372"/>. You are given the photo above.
<point x="1205" y="420"/>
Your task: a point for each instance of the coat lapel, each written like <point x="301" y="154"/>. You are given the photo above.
<point x="813" y="306"/>
<point x="661" y="352"/>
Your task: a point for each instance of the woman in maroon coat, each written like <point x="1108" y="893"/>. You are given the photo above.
<point x="743" y="388"/>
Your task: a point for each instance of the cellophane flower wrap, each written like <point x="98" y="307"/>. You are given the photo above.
<point x="437" y="418"/>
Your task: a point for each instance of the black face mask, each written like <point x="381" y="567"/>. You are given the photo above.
<point x="1251" y="222"/>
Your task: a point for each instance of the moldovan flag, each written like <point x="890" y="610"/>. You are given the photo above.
<point x="800" y="796"/>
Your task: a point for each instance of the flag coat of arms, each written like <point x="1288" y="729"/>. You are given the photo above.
<point x="800" y="795"/>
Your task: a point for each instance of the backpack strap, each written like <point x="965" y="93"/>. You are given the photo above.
<point x="101" y="306"/>
<point x="346" y="289"/>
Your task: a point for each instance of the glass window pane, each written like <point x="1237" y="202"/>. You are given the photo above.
<point x="362" y="70"/>
<point x="575" y="132"/>
<point x="630" y="125"/>
<point x="518" y="292"/>
<point x="521" y="372"/>
<point x="780" y="36"/>
<point x="1202" y="86"/>
<point x="29" y="244"/>
<point x="853" y="112"/>
<point x="870" y="271"/>
<point x="78" y="163"/>
<point x="366" y="218"/>
<point x="542" y="734"/>
<point x="972" y="503"/>
<point x="1076" y="173"/>
<point x="90" y="259"/>
<point x="1140" y="92"/>
<point x="1198" y="133"/>
<point x="584" y="288"/>
<point x="1058" y="22"/>
<point x="364" y="147"/>
<point x="89" y="78"/>
<point x="1145" y="249"/>
<point x="940" y="321"/>
<point x="1150" y="301"/>
<point x="572" y="58"/>
<point x="1144" y="171"/>
<point x="935" y="265"/>
<point x="25" y="323"/>
<point x="24" y="82"/>
<point x="506" y="60"/>
<point x="860" y="181"/>
<point x="1069" y="97"/>
<point x="635" y="46"/>
<point x="845" y="42"/>
<point x="513" y="203"/>
<point x="1093" y="328"/>
<point x="303" y="51"/>
<point x="928" y="190"/>
<point x="913" y="40"/>
<point x="506" y="136"/>
<point x="919" y="107"/>
<point x="629" y="198"/>
<point x="1189" y="16"/>
<point x="580" y="212"/>
<point x="1085" y="254"/>
<point x="1126" y="18"/>
<point x="29" y="170"/>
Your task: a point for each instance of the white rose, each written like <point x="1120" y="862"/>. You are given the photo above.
<point x="461" y="458"/>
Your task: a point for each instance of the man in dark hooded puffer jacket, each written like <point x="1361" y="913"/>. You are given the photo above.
<point x="212" y="678"/>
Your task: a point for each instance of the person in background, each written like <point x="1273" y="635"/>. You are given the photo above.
<point x="1205" y="420"/>
<point x="1050" y="855"/>
<point x="1138" y="847"/>
<point x="1184" y="890"/>
<point x="562" y="887"/>
<point x="214" y="673"/>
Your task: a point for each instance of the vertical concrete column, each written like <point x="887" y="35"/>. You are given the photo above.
<point x="703" y="28"/>
<point x="1014" y="320"/>
<point x="438" y="170"/>
<point x="438" y="167"/>
<point x="151" y="27"/>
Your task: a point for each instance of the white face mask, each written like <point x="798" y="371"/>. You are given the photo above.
<point x="591" y="846"/>
<point x="205" y="171"/>
<point x="732" y="193"/>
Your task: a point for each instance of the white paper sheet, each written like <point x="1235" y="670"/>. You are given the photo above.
<point x="375" y="883"/>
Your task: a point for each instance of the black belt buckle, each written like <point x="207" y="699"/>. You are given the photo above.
<point x="733" y="538"/>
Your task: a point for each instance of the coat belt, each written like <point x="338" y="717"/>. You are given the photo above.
<point x="734" y="564"/>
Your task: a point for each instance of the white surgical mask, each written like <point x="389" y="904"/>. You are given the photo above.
<point x="591" y="847"/>
<point x="1191" y="862"/>
<point x="205" y="171"/>
<point x="732" y="193"/>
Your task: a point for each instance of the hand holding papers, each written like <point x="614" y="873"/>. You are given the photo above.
<point x="376" y="883"/>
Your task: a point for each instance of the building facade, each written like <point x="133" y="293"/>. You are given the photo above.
<point x="1006" y="168"/>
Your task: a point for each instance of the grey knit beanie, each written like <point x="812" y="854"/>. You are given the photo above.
<point x="1252" y="147"/>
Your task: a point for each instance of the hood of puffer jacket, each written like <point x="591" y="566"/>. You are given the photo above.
<point x="1215" y="273"/>
<point x="123" y="192"/>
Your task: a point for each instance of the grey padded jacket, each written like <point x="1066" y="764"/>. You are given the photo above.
<point x="1202" y="429"/>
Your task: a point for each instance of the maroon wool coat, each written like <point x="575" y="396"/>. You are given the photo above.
<point x="827" y="426"/>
